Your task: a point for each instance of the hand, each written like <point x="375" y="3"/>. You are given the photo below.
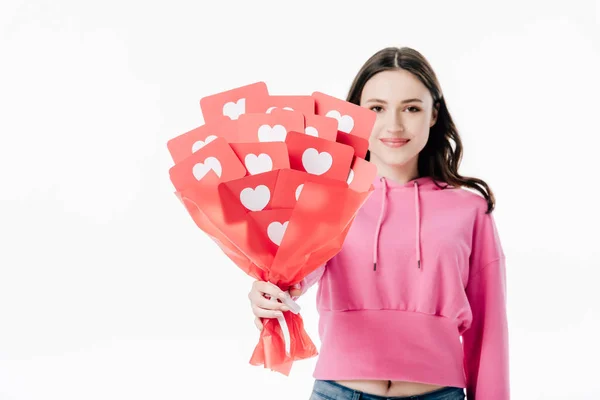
<point x="265" y="298"/>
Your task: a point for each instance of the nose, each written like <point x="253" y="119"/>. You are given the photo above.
<point x="394" y="123"/>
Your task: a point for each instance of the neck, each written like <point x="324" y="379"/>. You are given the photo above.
<point x="400" y="174"/>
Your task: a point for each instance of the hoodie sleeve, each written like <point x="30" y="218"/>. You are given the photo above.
<point x="485" y="342"/>
<point x="311" y="279"/>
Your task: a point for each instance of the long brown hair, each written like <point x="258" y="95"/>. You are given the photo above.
<point x="438" y="159"/>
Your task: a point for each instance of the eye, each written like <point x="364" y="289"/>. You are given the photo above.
<point x="377" y="109"/>
<point x="413" y="109"/>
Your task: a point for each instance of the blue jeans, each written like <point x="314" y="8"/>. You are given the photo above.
<point x="331" y="390"/>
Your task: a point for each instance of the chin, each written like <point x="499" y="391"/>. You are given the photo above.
<point x="395" y="160"/>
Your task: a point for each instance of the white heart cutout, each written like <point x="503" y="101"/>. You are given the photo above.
<point x="201" y="143"/>
<point x="201" y="169"/>
<point x="258" y="164"/>
<point x="270" y="109"/>
<point x="299" y="190"/>
<point x="255" y="199"/>
<point x="267" y="133"/>
<point x="350" y="177"/>
<point x="276" y="230"/>
<point x="234" y="110"/>
<point x="316" y="163"/>
<point x="311" y="131"/>
<point x="345" y="123"/>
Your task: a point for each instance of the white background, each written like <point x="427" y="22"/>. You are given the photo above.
<point x="107" y="288"/>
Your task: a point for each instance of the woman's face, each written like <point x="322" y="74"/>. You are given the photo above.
<point x="405" y="113"/>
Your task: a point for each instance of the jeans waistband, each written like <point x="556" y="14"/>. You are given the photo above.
<point x="334" y="390"/>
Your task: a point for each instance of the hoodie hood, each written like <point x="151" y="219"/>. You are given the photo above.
<point x="383" y="186"/>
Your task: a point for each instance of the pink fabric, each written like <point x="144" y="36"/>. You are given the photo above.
<point x="420" y="267"/>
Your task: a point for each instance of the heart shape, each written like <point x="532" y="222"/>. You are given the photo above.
<point x="276" y="230"/>
<point x="258" y="164"/>
<point x="299" y="190"/>
<point x="234" y="110"/>
<point x="311" y="131"/>
<point x="201" y="143"/>
<point x="316" y="163"/>
<point x="201" y="169"/>
<point x="273" y="108"/>
<point x="345" y="122"/>
<point x="255" y="199"/>
<point x="267" y="133"/>
<point x="350" y="177"/>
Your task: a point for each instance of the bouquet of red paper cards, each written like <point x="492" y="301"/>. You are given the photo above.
<point x="276" y="181"/>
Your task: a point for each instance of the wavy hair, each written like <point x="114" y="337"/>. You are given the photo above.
<point x="438" y="159"/>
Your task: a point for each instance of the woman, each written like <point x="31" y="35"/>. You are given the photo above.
<point x="414" y="303"/>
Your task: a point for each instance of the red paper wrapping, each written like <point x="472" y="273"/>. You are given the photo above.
<point x="287" y="212"/>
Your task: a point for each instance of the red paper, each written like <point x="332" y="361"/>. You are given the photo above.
<point x="184" y="145"/>
<point x="359" y="144"/>
<point x="269" y="127"/>
<point x="319" y="156"/>
<point x="231" y="103"/>
<point x="294" y="250"/>
<point x="362" y="174"/>
<point x="279" y="203"/>
<point x="290" y="184"/>
<point x="216" y="156"/>
<point x="352" y="118"/>
<point x="262" y="157"/>
<point x="268" y="104"/>
<point x="320" y="126"/>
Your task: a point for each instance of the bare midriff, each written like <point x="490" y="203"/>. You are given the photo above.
<point x="390" y="388"/>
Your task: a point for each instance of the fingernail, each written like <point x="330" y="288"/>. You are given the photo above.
<point x="285" y="308"/>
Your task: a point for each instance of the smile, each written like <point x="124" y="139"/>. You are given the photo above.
<point x="394" y="142"/>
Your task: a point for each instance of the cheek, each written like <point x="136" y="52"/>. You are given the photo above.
<point x="420" y="128"/>
<point x="378" y="127"/>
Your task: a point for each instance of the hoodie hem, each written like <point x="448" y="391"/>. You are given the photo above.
<point x="389" y="345"/>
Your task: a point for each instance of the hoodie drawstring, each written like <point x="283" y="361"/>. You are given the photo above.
<point x="378" y="229"/>
<point x="418" y="224"/>
<point x="380" y="220"/>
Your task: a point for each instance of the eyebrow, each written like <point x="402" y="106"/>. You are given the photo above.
<point x="403" y="101"/>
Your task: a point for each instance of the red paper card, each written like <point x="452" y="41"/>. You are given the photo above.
<point x="268" y="104"/>
<point x="262" y="157"/>
<point x="351" y="118"/>
<point x="361" y="175"/>
<point x="187" y="143"/>
<point x="319" y="156"/>
<point x="272" y="224"/>
<point x="320" y="126"/>
<point x="216" y="157"/>
<point x="359" y="144"/>
<point x="255" y="192"/>
<point x="231" y="103"/>
<point x="290" y="183"/>
<point x="269" y="127"/>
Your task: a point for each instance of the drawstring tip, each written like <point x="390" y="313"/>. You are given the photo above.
<point x="419" y="264"/>
<point x="374" y="266"/>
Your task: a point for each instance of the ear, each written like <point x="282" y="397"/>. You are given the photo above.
<point x="434" y="114"/>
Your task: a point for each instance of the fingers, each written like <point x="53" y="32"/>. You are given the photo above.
<point x="258" y="323"/>
<point x="268" y="288"/>
<point x="269" y="304"/>
<point x="265" y="313"/>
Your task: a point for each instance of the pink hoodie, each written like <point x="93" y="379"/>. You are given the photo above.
<point x="420" y="267"/>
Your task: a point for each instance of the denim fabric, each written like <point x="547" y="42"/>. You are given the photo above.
<point x="331" y="390"/>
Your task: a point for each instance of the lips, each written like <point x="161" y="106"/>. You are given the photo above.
<point x="394" y="142"/>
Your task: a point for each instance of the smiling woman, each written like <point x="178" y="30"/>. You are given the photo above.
<point x="394" y="307"/>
